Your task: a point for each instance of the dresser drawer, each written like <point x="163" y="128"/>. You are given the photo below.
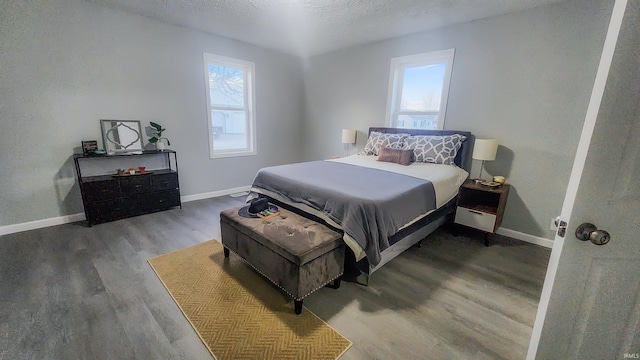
<point x="164" y="181"/>
<point x="159" y="200"/>
<point x="475" y="219"/>
<point x="109" y="210"/>
<point x="135" y="184"/>
<point x="101" y="190"/>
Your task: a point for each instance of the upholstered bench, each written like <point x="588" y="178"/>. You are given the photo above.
<point x="297" y="254"/>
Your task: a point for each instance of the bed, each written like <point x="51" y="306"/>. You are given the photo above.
<point x="382" y="207"/>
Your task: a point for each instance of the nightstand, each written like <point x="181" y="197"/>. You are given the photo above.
<point x="481" y="207"/>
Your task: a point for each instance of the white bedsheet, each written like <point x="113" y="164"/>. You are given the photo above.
<point x="446" y="181"/>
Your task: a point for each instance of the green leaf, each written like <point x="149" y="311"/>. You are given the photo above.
<point x="153" y="140"/>
<point x="155" y="126"/>
<point x="168" y="143"/>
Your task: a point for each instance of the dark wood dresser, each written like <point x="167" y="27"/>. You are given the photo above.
<point x="112" y="197"/>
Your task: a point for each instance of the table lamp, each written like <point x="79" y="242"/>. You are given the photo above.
<point x="348" y="137"/>
<point x="484" y="150"/>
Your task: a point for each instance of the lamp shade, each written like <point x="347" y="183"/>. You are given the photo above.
<point x="348" y="136"/>
<point x="485" y="149"/>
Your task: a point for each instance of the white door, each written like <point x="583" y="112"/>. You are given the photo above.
<point x="590" y="304"/>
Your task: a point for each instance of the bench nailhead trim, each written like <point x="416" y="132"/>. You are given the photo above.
<point x="285" y="290"/>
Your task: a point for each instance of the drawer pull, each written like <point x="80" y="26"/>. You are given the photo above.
<point x="476" y="212"/>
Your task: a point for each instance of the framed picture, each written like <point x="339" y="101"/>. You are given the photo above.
<point x="121" y="135"/>
<point x="89" y="147"/>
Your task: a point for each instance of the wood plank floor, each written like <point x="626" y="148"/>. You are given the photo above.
<point x="77" y="292"/>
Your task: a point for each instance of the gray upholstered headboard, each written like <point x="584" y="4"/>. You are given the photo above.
<point x="463" y="158"/>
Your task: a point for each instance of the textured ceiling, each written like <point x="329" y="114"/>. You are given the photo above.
<point x="311" y="27"/>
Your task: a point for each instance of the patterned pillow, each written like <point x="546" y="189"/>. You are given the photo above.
<point x="378" y="140"/>
<point x="435" y="149"/>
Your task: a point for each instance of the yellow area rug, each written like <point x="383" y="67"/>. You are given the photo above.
<point x="237" y="313"/>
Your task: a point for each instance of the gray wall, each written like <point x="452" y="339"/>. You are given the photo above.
<point x="65" y="64"/>
<point x="524" y="78"/>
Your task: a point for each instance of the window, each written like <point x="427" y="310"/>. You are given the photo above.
<point x="418" y="89"/>
<point x="230" y="106"/>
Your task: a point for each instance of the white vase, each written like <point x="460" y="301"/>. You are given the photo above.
<point x="159" y="145"/>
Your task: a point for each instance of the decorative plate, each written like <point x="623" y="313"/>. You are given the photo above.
<point x="491" y="184"/>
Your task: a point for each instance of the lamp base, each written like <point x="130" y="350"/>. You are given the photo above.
<point x="480" y="174"/>
<point x="348" y="147"/>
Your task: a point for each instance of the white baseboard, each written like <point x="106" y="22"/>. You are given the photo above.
<point x="37" y="224"/>
<point x="212" y="194"/>
<point x="525" y="237"/>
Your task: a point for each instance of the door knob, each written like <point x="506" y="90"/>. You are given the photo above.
<point x="587" y="231"/>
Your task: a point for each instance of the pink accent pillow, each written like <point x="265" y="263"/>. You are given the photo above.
<point x="398" y="156"/>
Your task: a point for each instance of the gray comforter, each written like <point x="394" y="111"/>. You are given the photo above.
<point x="369" y="204"/>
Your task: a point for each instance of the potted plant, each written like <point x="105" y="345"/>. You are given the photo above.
<point x="156" y="131"/>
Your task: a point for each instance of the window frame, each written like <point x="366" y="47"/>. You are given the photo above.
<point x="396" y="78"/>
<point x="248" y="70"/>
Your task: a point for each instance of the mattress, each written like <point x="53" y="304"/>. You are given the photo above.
<point x="445" y="179"/>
